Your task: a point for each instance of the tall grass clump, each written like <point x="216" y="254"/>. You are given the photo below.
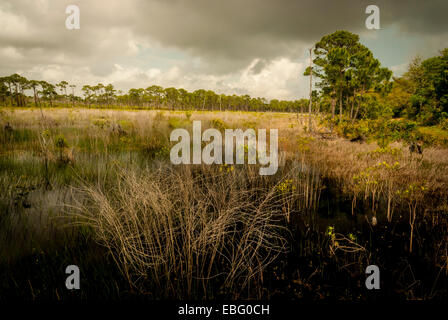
<point x="189" y="232"/>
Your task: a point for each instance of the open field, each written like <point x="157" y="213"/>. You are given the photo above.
<point x="96" y="188"/>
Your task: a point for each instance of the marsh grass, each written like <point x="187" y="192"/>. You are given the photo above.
<point x="213" y="231"/>
<point x="189" y="232"/>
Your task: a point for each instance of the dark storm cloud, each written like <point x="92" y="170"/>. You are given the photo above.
<point x="239" y="31"/>
<point x="226" y="34"/>
<point x="416" y="16"/>
<point x="258" y="66"/>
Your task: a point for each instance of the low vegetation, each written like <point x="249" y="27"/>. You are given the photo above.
<point x="95" y="188"/>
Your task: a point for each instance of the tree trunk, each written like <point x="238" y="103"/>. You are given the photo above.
<point x="17" y="96"/>
<point x="340" y="104"/>
<point x="359" y="105"/>
<point x="353" y="105"/>
<point x="311" y="92"/>
<point x="35" y="96"/>
<point x="340" y="96"/>
<point x="333" y="105"/>
<point x="11" y="95"/>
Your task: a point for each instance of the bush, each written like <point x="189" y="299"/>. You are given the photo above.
<point x="218" y="124"/>
<point x="60" y="142"/>
<point x="444" y="124"/>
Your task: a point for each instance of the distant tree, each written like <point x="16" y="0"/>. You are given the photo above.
<point x="48" y="92"/>
<point x="87" y="92"/>
<point x="4" y="93"/>
<point x="334" y="56"/>
<point x="346" y="69"/>
<point x="20" y="84"/>
<point x="72" y="95"/>
<point x="109" y="93"/>
<point x="63" y="86"/>
<point x="135" y="96"/>
<point x="34" y="84"/>
<point x="156" y="94"/>
<point x="171" y="97"/>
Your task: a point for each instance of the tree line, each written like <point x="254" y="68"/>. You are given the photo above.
<point x="13" y="90"/>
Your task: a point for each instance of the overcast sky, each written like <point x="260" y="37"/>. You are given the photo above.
<point x="257" y="47"/>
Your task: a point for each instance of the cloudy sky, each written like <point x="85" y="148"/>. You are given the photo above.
<point x="257" y="47"/>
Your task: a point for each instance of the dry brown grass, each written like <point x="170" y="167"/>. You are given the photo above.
<point x="186" y="230"/>
<point x="384" y="180"/>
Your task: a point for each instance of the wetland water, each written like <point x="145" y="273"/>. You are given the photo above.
<point x="310" y="271"/>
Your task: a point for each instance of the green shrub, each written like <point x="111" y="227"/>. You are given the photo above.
<point x="218" y="124"/>
<point x="444" y="124"/>
<point x="60" y="142"/>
